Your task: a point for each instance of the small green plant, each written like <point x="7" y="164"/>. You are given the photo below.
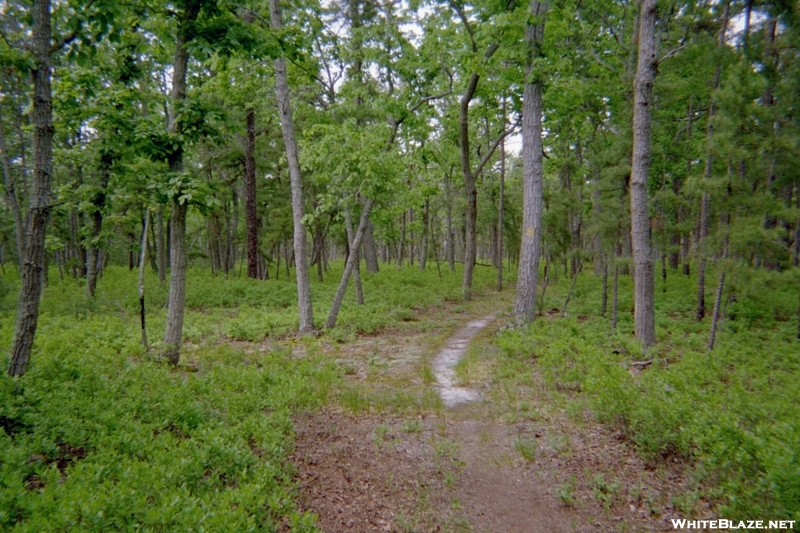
<point x="527" y="447"/>
<point x="566" y="492"/>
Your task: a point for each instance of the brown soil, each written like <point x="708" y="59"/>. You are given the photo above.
<point x="466" y="469"/>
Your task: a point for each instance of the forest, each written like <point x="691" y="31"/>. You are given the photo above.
<point x="228" y="223"/>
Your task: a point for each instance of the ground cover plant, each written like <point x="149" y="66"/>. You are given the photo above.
<point x="731" y="413"/>
<point x="99" y="436"/>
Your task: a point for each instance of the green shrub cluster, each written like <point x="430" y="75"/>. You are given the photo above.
<point x="734" y="412"/>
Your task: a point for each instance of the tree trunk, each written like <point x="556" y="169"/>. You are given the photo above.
<point x="351" y="250"/>
<point x="12" y="200"/>
<point x="177" y="238"/>
<point x="330" y="323"/>
<point x="500" y="207"/>
<point x="142" y="321"/>
<point x="532" y="155"/>
<point x="644" y="314"/>
<point x="250" y="195"/>
<point x="161" y="253"/>
<point x="287" y="127"/>
<point x="423" y="247"/>
<point x="99" y="202"/>
<point x="370" y="253"/>
<point x="40" y="201"/>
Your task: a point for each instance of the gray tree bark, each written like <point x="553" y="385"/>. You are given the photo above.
<point x="287" y="128"/>
<point x="40" y="201"/>
<point x="532" y="155"/>
<point x="12" y="200"/>
<point x="177" y="239"/>
<point x="644" y="312"/>
<point x="250" y="195"/>
<point x="349" y="265"/>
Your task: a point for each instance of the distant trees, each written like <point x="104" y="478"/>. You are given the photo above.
<point x="253" y="133"/>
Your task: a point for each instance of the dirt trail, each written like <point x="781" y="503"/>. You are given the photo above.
<point x="464" y="466"/>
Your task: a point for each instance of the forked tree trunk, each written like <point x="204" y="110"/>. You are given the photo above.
<point x="40" y="201"/>
<point x="250" y="194"/>
<point x="349" y="265"/>
<point x="644" y="312"/>
<point x="287" y="128"/>
<point x="532" y="188"/>
<point x="357" y="269"/>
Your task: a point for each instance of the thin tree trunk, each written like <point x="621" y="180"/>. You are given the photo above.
<point x="717" y="305"/>
<point x="330" y="323"/>
<point x="707" y="172"/>
<point x="604" y="306"/>
<point x="500" y="207"/>
<point x="644" y="317"/>
<point x="161" y="252"/>
<point x="572" y="286"/>
<point x="451" y="235"/>
<point x="423" y="247"/>
<point x="287" y="128"/>
<point x="12" y="200"/>
<point x="99" y="202"/>
<point x="40" y="201"/>
<point x="142" y="320"/>
<point x="250" y="195"/>
<point x="352" y="250"/>
<point x="615" y="300"/>
<point x="532" y="155"/>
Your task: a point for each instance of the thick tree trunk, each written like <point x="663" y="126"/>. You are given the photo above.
<point x="250" y="195"/>
<point x="349" y="266"/>
<point x="532" y="188"/>
<point x="644" y="312"/>
<point x="40" y="201"/>
<point x="287" y="127"/>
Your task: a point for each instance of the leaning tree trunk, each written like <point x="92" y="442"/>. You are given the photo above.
<point x="349" y="265"/>
<point x="532" y="155"/>
<point x="357" y="270"/>
<point x="287" y="127"/>
<point x="644" y="313"/>
<point x="250" y="194"/>
<point x="177" y="235"/>
<point x="40" y="201"/>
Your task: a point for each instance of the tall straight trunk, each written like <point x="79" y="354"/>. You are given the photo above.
<point x="92" y="250"/>
<point x="142" y="321"/>
<point x="161" y="252"/>
<point x="349" y="265"/>
<point x="370" y="253"/>
<point x="644" y="311"/>
<point x="40" y="202"/>
<point x="471" y="190"/>
<point x="351" y="250"/>
<point x="717" y="306"/>
<point x="177" y="238"/>
<point x="615" y="300"/>
<point x="423" y="247"/>
<point x="287" y="128"/>
<point x="705" y="200"/>
<point x="604" y="304"/>
<point x="532" y="174"/>
<point x="250" y="195"/>
<point x="451" y="234"/>
<point x="12" y="200"/>
<point x="500" y="207"/>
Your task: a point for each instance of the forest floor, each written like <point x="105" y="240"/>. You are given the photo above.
<point x="390" y="455"/>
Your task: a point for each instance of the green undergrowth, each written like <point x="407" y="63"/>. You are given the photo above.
<point x="98" y="436"/>
<point x="734" y="413"/>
